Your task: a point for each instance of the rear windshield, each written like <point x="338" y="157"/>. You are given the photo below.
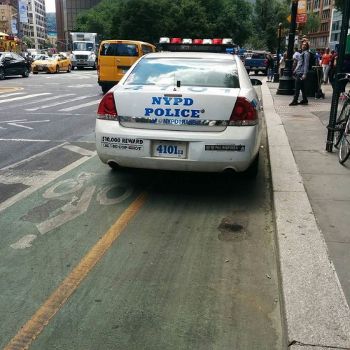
<point x="189" y="71"/>
<point x="113" y="49"/>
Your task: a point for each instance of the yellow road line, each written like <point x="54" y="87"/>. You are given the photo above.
<point x="9" y="89"/>
<point x="52" y="305"/>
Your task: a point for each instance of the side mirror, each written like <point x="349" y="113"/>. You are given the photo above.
<point x="255" y="82"/>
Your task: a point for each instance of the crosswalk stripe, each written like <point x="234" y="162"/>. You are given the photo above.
<point x="80" y="106"/>
<point x="60" y="103"/>
<point x="12" y="94"/>
<point x="24" y="97"/>
<point x="46" y="99"/>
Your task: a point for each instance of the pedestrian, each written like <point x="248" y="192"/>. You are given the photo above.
<point x="332" y="66"/>
<point x="282" y="65"/>
<point x="296" y="57"/>
<point x="300" y="74"/>
<point x="270" y="65"/>
<point x="326" y="65"/>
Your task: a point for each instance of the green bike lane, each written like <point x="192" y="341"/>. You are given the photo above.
<point x="193" y="267"/>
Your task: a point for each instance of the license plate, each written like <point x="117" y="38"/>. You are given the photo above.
<point x="169" y="149"/>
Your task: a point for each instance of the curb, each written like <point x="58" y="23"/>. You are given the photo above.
<point x="316" y="313"/>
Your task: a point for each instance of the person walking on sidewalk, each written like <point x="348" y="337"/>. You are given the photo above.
<point x="326" y="65"/>
<point x="270" y="65"/>
<point x="300" y="73"/>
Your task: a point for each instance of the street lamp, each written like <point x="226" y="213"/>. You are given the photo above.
<point x="286" y="82"/>
<point x="276" y="76"/>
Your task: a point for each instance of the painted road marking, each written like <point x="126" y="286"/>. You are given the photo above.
<point x="24" y="97"/>
<point x="79" y="150"/>
<point x="24" y="140"/>
<point x="33" y="157"/>
<point x="80" y="106"/>
<point x="31" y="330"/>
<point x="24" y="242"/>
<point x="19" y="124"/>
<point x="9" y="89"/>
<point x="42" y="181"/>
<point x="60" y="103"/>
<point x="12" y="94"/>
<point x="44" y="100"/>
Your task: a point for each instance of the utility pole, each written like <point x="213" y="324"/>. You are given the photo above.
<point x="286" y="82"/>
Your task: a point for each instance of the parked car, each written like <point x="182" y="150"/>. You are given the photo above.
<point x="13" y="64"/>
<point x="55" y="64"/>
<point x="256" y="62"/>
<point x="183" y="111"/>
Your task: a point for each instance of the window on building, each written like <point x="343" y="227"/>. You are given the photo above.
<point x="316" y="4"/>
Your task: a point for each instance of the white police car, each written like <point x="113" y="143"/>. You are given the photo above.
<point x="185" y="111"/>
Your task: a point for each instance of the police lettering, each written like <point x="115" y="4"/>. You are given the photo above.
<point x="172" y="112"/>
<point x="174" y="101"/>
<point x="168" y="112"/>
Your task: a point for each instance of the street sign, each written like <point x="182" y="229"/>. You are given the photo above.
<point x="301" y="18"/>
<point x="301" y="7"/>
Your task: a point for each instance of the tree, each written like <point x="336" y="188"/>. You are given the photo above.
<point x="313" y="23"/>
<point x="266" y="17"/>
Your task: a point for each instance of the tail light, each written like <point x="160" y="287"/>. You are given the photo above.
<point x="198" y="41"/>
<point x="106" y="108"/>
<point x="175" y="41"/>
<point x="217" y="41"/>
<point x="243" y="114"/>
<point x="265" y="62"/>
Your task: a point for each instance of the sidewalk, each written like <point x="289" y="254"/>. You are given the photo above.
<point x="312" y="200"/>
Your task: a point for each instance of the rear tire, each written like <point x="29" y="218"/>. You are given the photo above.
<point x="2" y="74"/>
<point x="35" y="72"/>
<point x="57" y="69"/>
<point x="69" y="69"/>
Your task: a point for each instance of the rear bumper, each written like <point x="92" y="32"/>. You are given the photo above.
<point x="121" y="149"/>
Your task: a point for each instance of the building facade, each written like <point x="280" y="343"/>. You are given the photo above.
<point x="8" y="17"/>
<point x="323" y="10"/>
<point x="66" y="15"/>
<point x="35" y="28"/>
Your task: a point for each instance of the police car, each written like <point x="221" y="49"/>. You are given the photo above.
<point x="183" y="111"/>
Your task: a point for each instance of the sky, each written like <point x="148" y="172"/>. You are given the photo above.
<point x="50" y="5"/>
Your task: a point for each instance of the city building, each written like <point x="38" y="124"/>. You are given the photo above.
<point x="8" y="16"/>
<point x="334" y="34"/>
<point x="66" y="15"/>
<point x="319" y="39"/>
<point x="35" y="27"/>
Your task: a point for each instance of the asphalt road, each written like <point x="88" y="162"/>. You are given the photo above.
<point x="94" y="259"/>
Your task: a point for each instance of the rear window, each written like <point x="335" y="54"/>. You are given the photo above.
<point x="114" y="49"/>
<point x="190" y="72"/>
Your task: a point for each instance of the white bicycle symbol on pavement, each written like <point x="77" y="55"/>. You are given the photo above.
<point x="78" y="204"/>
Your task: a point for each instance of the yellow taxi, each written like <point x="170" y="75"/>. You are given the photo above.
<point x="52" y="64"/>
<point x="115" y="57"/>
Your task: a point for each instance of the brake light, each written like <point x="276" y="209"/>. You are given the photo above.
<point x="217" y="41"/>
<point x="175" y="41"/>
<point x="198" y="41"/>
<point x="243" y="114"/>
<point x="106" y="108"/>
